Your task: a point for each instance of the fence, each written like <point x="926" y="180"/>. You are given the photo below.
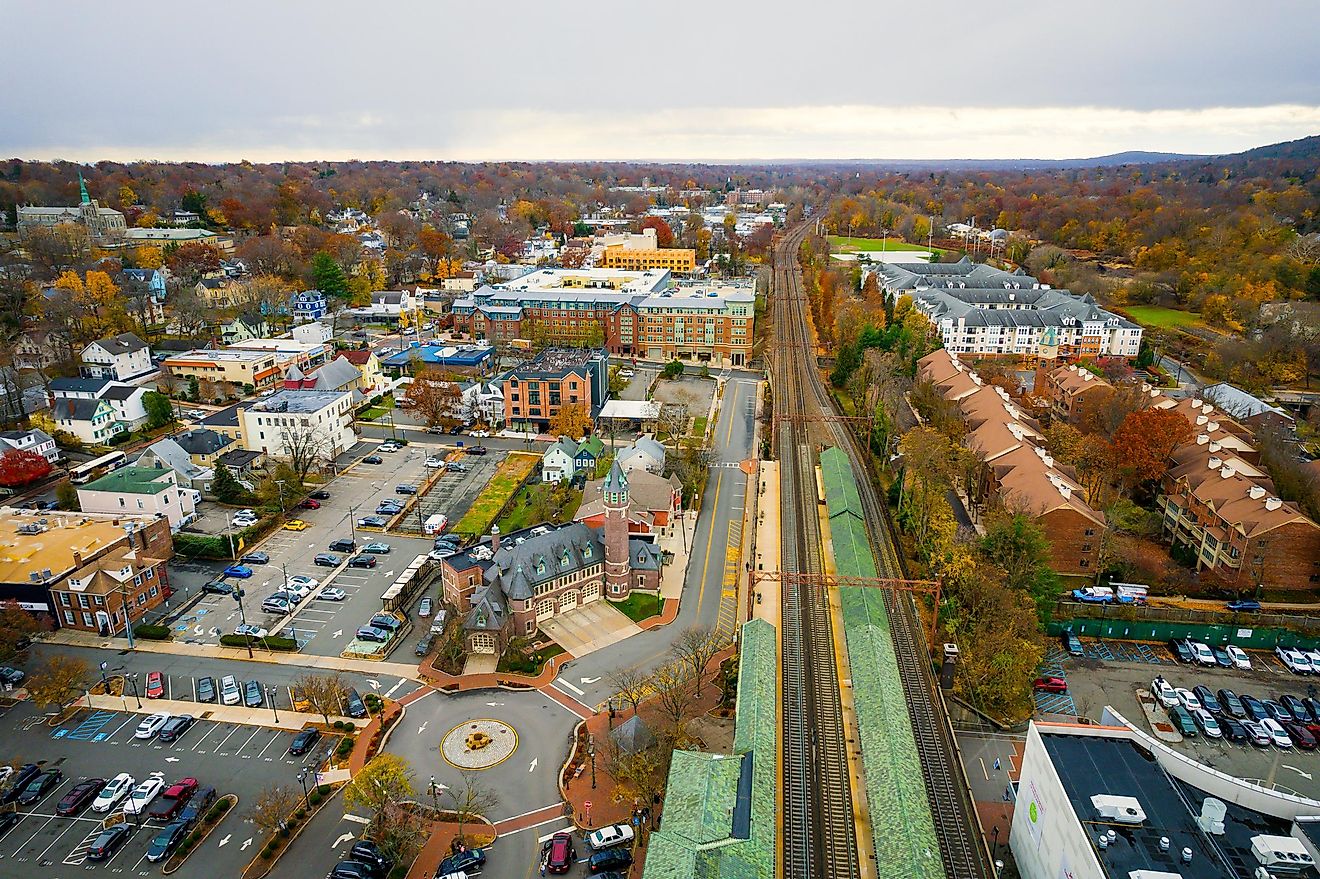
<point x="1257" y="631"/>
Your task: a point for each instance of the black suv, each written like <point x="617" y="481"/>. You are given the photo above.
<point x="609" y="859"/>
<point x="303" y="741"/>
<point x="198" y="804"/>
<point x="343" y="544"/>
<point x="371" y="855"/>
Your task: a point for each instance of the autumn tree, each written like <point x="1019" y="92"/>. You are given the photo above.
<point x="325" y="693"/>
<point x="386" y="778"/>
<point x="1145" y="440"/>
<point x="305" y="446"/>
<point x="436" y="398"/>
<point x="695" y="647"/>
<point x="664" y="236"/>
<point x="631" y="685"/>
<point x="15" y="625"/>
<point x="437" y="247"/>
<point x="469" y="800"/>
<point x="66" y="496"/>
<point x="272" y="807"/>
<point x="280" y="489"/>
<point x="61" y="680"/>
<point x="192" y="260"/>
<point x="572" y="420"/>
<point x="19" y="467"/>
<point x="1015" y="544"/>
<point x="673" y="683"/>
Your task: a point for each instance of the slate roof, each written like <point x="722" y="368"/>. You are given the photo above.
<point x="122" y="392"/>
<point x="488" y="611"/>
<point x="68" y="408"/>
<point x="645" y="453"/>
<point x="616" y="480"/>
<point x="83" y="385"/>
<point x="227" y="417"/>
<point x="124" y="343"/>
<point x="173" y="456"/>
<point x="633" y="735"/>
<point x="201" y="441"/>
<point x="582" y="545"/>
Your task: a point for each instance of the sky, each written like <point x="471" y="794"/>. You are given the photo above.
<point x="717" y="81"/>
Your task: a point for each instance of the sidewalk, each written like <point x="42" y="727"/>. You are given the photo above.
<point x="767" y="544"/>
<point x="291" y="720"/>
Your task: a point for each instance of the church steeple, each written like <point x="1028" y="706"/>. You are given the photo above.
<point x="82" y="190"/>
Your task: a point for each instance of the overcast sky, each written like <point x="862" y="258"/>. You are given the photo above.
<point x="721" y="80"/>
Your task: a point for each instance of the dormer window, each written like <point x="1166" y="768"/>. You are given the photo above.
<point x="586" y="552"/>
<point x="540" y="567"/>
<point x="563" y="562"/>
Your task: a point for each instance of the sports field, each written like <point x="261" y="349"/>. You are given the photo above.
<point x="842" y="242"/>
<point x="1163" y="318"/>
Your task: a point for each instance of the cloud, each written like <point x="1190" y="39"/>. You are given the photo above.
<point x="711" y="133"/>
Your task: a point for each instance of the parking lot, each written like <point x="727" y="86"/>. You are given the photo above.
<point x="1114" y="672"/>
<point x="232" y="758"/>
<point x="455" y="490"/>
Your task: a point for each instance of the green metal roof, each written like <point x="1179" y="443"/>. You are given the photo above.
<point x="697" y="841"/>
<point x="852" y="547"/>
<point x="133" y="480"/>
<point x="840" y="488"/>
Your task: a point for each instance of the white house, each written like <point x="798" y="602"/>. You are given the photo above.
<point x="92" y="421"/>
<point x="490" y="403"/>
<point x="32" y="441"/>
<point x="140" y="491"/>
<point x="284" y="422"/>
<point x="644" y="454"/>
<point x="167" y="453"/>
<point x="126" y="400"/>
<point x="314" y="333"/>
<point x="558" y="462"/>
<point x="121" y="357"/>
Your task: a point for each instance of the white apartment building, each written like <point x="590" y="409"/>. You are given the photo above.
<point x="285" y="419"/>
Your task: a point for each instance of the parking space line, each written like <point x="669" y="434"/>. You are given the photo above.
<point x="249" y="738"/>
<point x="226" y="738"/>
<point x="128" y="721"/>
<point x="69" y="826"/>
<point x="79" y="852"/>
<point x="268" y="744"/>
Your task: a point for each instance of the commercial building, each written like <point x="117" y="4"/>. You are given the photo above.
<point x="122" y="357"/>
<point x="460" y="359"/>
<point x="630" y="314"/>
<point x="104" y="225"/>
<point x="237" y="366"/>
<point x="1018" y="473"/>
<point x="299" y="423"/>
<point x="372" y="379"/>
<point x="557" y="377"/>
<point x="641" y="253"/>
<point x="289" y="352"/>
<point x="507" y="587"/>
<point x="140" y="491"/>
<point x="163" y="237"/>
<point x="986" y="312"/>
<point x="39" y="552"/>
<point x="1071" y="393"/>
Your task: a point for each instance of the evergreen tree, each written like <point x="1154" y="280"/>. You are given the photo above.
<point x="328" y="276"/>
<point x="225" y="487"/>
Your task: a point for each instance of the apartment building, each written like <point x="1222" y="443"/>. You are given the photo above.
<point x="536" y="391"/>
<point x="140" y="491"/>
<point x="640" y="253"/>
<point x="1070" y="393"/>
<point x="293" y="421"/>
<point x="48" y="561"/>
<point x="238" y="366"/>
<point x="986" y="312"/>
<point x="122" y="357"/>
<point x="631" y="314"/>
<point x="1019" y="473"/>
<point x="1220" y="503"/>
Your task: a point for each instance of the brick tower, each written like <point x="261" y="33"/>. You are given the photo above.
<point x="614" y="492"/>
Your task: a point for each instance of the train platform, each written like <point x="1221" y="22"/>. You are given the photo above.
<point x="766" y="593"/>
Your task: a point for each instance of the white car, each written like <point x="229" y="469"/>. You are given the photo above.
<point x="144" y="793"/>
<point x="1164" y="692"/>
<point x="113" y="792"/>
<point x="332" y="593"/>
<point x="435" y="463"/>
<point x="151" y="725"/>
<point x="438" y="555"/>
<point x="1188" y="699"/>
<point x="1296" y="662"/>
<point x="1204" y="655"/>
<point x="1239" y="656"/>
<point x="251" y="630"/>
<point x="626" y="373"/>
<point x="424" y="609"/>
<point x="298" y="589"/>
<point x="1209" y="726"/>
<point x="1278" y="735"/>
<point x="5" y="772"/>
<point x="609" y="837"/>
<point x="1312" y="656"/>
<point x="302" y="581"/>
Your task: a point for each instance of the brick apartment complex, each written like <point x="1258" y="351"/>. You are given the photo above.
<point x="506" y="588"/>
<point x="82" y="568"/>
<point x="1018" y="473"/>
<point x="631" y="314"/>
<point x="987" y="312"/>
<point x="536" y="391"/>
<point x="680" y="261"/>
<point x="1221" y="504"/>
<point x="1071" y="393"/>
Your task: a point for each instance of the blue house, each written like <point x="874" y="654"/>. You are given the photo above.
<point x="588" y="453"/>
<point x="309" y="305"/>
<point x="151" y="279"/>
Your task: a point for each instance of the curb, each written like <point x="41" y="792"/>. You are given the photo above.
<point x="297" y="832"/>
<point x="167" y="870"/>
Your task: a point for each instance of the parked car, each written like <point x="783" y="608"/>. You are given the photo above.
<point x="79" y="797"/>
<point x="388" y="508"/>
<point x="1278" y="735"/>
<point x="155" y="685"/>
<point x="476" y="450"/>
<point x="166" y="841"/>
<point x="373" y="459"/>
<point x="1233" y="729"/>
<point x="108" y="842"/>
<point x="424" y="646"/>
<point x="1276" y="710"/>
<point x="1050" y="685"/>
<point x="386" y="621"/>
<point x="1232" y="704"/>
<point x="1207" y="723"/>
<point x="351" y="870"/>
<point x="255" y="558"/>
<point x="377" y="548"/>
<point x="217" y="587"/>
<point x="1255" y="709"/>
<point x="1187" y="698"/>
<point x="242" y="572"/>
<point x="1181" y="651"/>
<point x="1182" y="721"/>
<point x="206" y="689"/>
<point x="1221" y="657"/>
<point x="320" y="494"/>
<point x="609" y="859"/>
<point x="610" y="837"/>
<point x="302" y="581"/>
<point x="172" y="801"/>
<point x="1256" y="733"/>
<point x="254" y="696"/>
<point x="405" y="489"/>
<point x="150" y="725"/>
<point x="1164" y="693"/>
<point x="1204" y="655"/>
<point x="175" y="727"/>
<point x="1297" y="709"/>
<point x="1294" y="661"/>
<point x="229" y="692"/>
<point x="1071" y="642"/>
<point x="1243" y="604"/>
<point x="373" y="634"/>
<point x="144" y="793"/>
<point x="362" y="561"/>
<point x="464" y="862"/>
<point x="39" y="786"/>
<point x="309" y="504"/>
<point x="434" y="463"/>
<point x="296" y="525"/>
<point x="304" y="740"/>
<point x="373" y="522"/>
<point x="114" y="790"/>
<point x="353" y="704"/>
<point x="198" y="805"/>
<point x="369" y="853"/>
<point x="327" y="560"/>
<point x="252" y="630"/>
<point x="1239" y="657"/>
<point x="1302" y="738"/>
<point x="1207" y="699"/>
<point x="331" y="593"/>
<point x="424" y="609"/>
<point x="276" y="605"/>
<point x="480" y="434"/>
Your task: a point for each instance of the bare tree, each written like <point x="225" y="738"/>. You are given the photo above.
<point x="272" y="807"/>
<point x="400" y="830"/>
<point x="673" y="683"/>
<point x="674" y="418"/>
<point x="695" y="647"/>
<point x="631" y="684"/>
<point x="324" y="693"/>
<point x="470" y="800"/>
<point x="305" y="446"/>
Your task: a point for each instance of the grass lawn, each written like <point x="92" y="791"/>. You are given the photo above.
<point x="699" y="426"/>
<point x="843" y="242"/>
<point x="1161" y="317"/>
<point x="522" y="512"/>
<point x="507" y="479"/>
<point x="640" y="606"/>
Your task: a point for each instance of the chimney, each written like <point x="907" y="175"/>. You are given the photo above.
<point x="1201" y="420"/>
<point x="1226" y="471"/>
<point x="1202" y="439"/>
<point x="494" y="539"/>
<point x="1256" y="492"/>
<point x="1212" y="426"/>
<point x="77" y="559"/>
<point x="1065" y="489"/>
<point x="1273" y="504"/>
<point x="1214" y="447"/>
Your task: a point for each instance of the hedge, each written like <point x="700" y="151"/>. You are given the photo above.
<point x="273" y="642"/>
<point x="148" y="632"/>
<point x="201" y="545"/>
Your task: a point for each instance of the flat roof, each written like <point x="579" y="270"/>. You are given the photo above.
<point x="53" y="549"/>
<point x="296" y="402"/>
<point x="233" y="355"/>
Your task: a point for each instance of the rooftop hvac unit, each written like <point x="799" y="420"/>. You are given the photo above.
<point x="1121" y="810"/>
<point x="1282" y="855"/>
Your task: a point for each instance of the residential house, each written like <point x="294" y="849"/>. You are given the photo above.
<point x="313" y="333"/>
<point x="127" y="402"/>
<point x="204" y="446"/>
<point x="371" y="380"/>
<point x="33" y="440"/>
<point x="653" y="503"/>
<point x="241" y="463"/>
<point x="150" y="280"/>
<point x="508" y="587"/>
<point x="224" y="422"/>
<point x="289" y="419"/>
<point x="589" y="452"/>
<point x="308" y="305"/>
<point x="92" y="421"/>
<point x="643" y="454"/>
<point x="1249" y="410"/>
<point x="535" y="391"/>
<point x="38" y="349"/>
<point x="337" y="375"/>
<point x="243" y="328"/>
<point x="166" y="454"/>
<point x="1071" y="393"/>
<point x="37" y="559"/>
<point x="219" y="292"/>
<point x="140" y="491"/>
<point x="557" y="464"/>
<point x="490" y="402"/>
<point x="78" y="388"/>
<point x="122" y="357"/>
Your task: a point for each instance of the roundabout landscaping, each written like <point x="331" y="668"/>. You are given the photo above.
<point x="479" y="744"/>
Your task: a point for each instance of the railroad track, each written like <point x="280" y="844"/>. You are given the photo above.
<point x="819" y="838"/>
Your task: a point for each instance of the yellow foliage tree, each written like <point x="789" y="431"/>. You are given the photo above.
<point x="571" y="420"/>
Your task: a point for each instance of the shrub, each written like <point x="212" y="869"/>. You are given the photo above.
<point x="201" y="546"/>
<point x="120" y="438"/>
<point x="300" y="814"/>
<point x="314" y="797"/>
<point x="273" y="642"/>
<point x="216" y="811"/>
<point x="148" y="632"/>
<point x="284" y="832"/>
<point x="349" y="726"/>
<point x="323" y="790"/>
<point x="338" y="724"/>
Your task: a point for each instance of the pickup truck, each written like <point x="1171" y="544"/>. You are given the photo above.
<point x="174" y="798"/>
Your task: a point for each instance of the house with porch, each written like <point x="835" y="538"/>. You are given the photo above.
<point x="122" y="357"/>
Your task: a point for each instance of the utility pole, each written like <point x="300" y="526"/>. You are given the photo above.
<point x="229" y="531"/>
<point x="128" y="614"/>
<point x="238" y="597"/>
<point x="280" y="484"/>
<point x="352" y="524"/>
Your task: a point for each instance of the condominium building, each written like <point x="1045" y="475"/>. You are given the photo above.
<point x="52" y="562"/>
<point x="641" y="252"/>
<point x="557" y="377"/>
<point x="239" y="366"/>
<point x="299" y="423"/>
<point x="1071" y="393"/>
<point x="631" y="314"/>
<point x="986" y="312"/>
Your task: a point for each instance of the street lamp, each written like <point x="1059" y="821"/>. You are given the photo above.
<point x="242" y="617"/>
<point x="273" y="707"/>
<point x="132" y="679"/>
<point x="302" y="779"/>
<point x="591" y="752"/>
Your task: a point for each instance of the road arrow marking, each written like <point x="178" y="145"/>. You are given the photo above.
<point x="1305" y="775"/>
<point x="494" y="704"/>
<point x="375" y="684"/>
<point x="341" y="840"/>
<point x="389" y="573"/>
<point x="421" y="729"/>
<point x="225" y="841"/>
<point x="532" y="768"/>
<point x="390" y="691"/>
<point x="589" y="680"/>
<point x="171" y="759"/>
<point x="247" y="842"/>
<point x="337" y="633"/>
<point x="197" y="630"/>
<point x="357" y="819"/>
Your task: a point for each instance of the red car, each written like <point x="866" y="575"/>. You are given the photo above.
<point x="560" y="857"/>
<point x="310" y="504"/>
<point x="1051" y="685"/>
<point x="155" y="685"/>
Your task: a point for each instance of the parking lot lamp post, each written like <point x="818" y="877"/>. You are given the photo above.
<point x="229" y="532"/>
<point x="128" y="614"/>
<point x="242" y="617"/>
<point x="302" y="779"/>
<point x="132" y="679"/>
<point x="352" y="524"/>
<point x="273" y="707"/>
<point x="435" y="796"/>
<point x="591" y="752"/>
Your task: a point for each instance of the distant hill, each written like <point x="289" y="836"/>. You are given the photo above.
<point x="1131" y="157"/>
<point x="1306" y="148"/>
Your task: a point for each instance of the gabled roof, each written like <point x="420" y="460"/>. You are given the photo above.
<point x="201" y="441"/>
<point x="541" y="553"/>
<point x="592" y="445"/>
<point x="336" y="374"/>
<point x="124" y="343"/>
<point x="565" y="445"/>
<point x="71" y="409"/>
<point x="123" y="392"/>
<point x="81" y="385"/>
<point x="633" y="735"/>
<point x="488" y="611"/>
<point x="173" y="456"/>
<point x="358" y="357"/>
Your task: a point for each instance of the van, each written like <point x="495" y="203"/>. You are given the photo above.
<point x="229" y="692"/>
<point x="435" y="524"/>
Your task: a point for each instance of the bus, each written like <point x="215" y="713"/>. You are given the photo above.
<point x="97" y="467"/>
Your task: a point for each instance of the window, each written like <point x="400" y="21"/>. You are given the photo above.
<point x="154" y="591"/>
<point x="82" y="600"/>
<point x="87" y="619"/>
<point x="1085" y="563"/>
<point x="100" y="601"/>
<point x="1090" y="532"/>
<point x="68" y="617"/>
<point x="64" y="599"/>
<point x="1086" y="547"/>
<point x="586" y="552"/>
